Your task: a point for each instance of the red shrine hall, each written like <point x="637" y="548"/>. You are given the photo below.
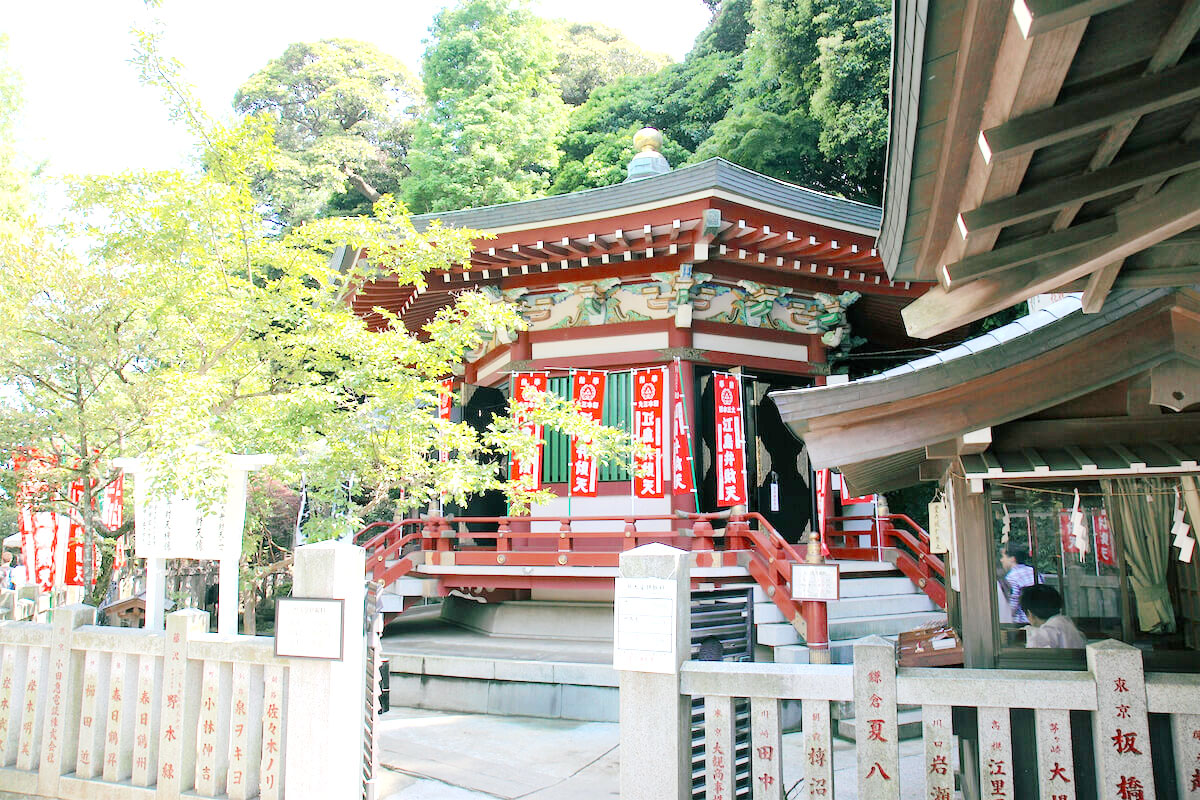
<point x="672" y="303"/>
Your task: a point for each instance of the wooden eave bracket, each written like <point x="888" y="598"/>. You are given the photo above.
<point x="967" y="444"/>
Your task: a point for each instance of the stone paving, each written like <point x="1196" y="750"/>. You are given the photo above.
<point x="434" y="755"/>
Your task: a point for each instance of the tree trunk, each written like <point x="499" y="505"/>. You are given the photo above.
<point x="250" y="615"/>
<point x="361" y="186"/>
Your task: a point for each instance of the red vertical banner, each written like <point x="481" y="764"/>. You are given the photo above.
<point x="1064" y="530"/>
<point x="587" y="390"/>
<point x="528" y="473"/>
<point x="73" y="576"/>
<point x="681" y="442"/>
<point x="120" y="559"/>
<point x="1104" y="540"/>
<point x="731" y="440"/>
<point x="113" y="513"/>
<point x="445" y="405"/>
<point x="649" y="411"/>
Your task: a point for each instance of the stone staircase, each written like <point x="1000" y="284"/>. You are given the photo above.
<point x="876" y="599"/>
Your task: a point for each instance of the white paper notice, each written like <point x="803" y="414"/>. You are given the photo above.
<point x="815" y="582"/>
<point x="645" y="625"/>
<point x="309" y="628"/>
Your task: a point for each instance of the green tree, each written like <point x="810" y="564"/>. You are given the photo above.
<point x="343" y="114"/>
<point x="832" y="61"/>
<point x="494" y="114"/>
<point x="14" y="178"/>
<point x="684" y="101"/>
<point x="166" y="319"/>
<point x="794" y="89"/>
<point x="591" y="55"/>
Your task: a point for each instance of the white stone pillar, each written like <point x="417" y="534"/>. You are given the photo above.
<point x="180" y="706"/>
<point x="325" y="698"/>
<point x="1120" y="726"/>
<point x="653" y="639"/>
<point x="878" y="747"/>
<point x="63" y="698"/>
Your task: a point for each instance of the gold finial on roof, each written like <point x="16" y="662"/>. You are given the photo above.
<point x="648" y="139"/>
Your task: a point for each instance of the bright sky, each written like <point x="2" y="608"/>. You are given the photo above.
<point x="85" y="111"/>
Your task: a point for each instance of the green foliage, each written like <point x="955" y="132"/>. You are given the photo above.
<point x="591" y="55"/>
<point x="832" y="60"/>
<point x="789" y="88"/>
<point x="14" y="177"/>
<point x="343" y="114"/>
<point x="494" y="113"/>
<point x="167" y="319"/>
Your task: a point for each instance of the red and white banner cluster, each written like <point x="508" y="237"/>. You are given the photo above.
<point x="42" y="531"/>
<point x="730" y="440"/>
<point x="649" y="412"/>
<point x="38" y="529"/>
<point x="587" y="390"/>
<point x="528" y="472"/>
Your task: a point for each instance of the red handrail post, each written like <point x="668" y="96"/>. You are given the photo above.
<point x="815" y="612"/>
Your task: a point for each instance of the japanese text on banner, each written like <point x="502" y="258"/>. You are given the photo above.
<point x="528" y="472"/>
<point x="587" y="390"/>
<point x="649" y="402"/>
<point x="730" y="440"/>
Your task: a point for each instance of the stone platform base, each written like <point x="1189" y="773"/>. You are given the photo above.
<point x="510" y="661"/>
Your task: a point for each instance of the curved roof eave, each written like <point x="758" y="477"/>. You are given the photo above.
<point x="802" y="410"/>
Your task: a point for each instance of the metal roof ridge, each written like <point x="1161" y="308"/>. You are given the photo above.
<point x="713" y="174"/>
<point x="794" y="186"/>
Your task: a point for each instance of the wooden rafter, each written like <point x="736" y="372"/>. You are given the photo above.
<point x="1024" y="252"/>
<point x="1041" y="16"/>
<point x="1175" y="209"/>
<point x="1027" y="74"/>
<point x="1094" y="111"/>
<point x="1049" y="197"/>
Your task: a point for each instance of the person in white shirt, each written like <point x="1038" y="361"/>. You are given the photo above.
<point x="1048" y="627"/>
<point x="18" y="576"/>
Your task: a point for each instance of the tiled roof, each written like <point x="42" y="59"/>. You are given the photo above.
<point x="713" y="174"/>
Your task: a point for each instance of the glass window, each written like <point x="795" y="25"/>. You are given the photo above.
<point x="1111" y="566"/>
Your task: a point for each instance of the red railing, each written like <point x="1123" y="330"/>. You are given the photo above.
<point x="907" y="547"/>
<point x="556" y="542"/>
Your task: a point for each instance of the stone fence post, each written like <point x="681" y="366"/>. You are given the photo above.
<point x="324" y="730"/>
<point x="652" y="639"/>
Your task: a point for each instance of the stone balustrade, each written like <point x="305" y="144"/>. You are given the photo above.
<point x="93" y="711"/>
<point x="1114" y="694"/>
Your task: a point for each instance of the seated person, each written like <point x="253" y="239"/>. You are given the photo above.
<point x="1048" y="627"/>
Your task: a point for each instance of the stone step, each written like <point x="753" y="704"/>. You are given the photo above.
<point x="908" y="726"/>
<point x="839" y="653"/>
<point x="886" y="585"/>
<point x="881" y="624"/>
<point x="867" y="585"/>
<point x="411" y="586"/>
<point x="775" y="634"/>
<point x="768" y="612"/>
